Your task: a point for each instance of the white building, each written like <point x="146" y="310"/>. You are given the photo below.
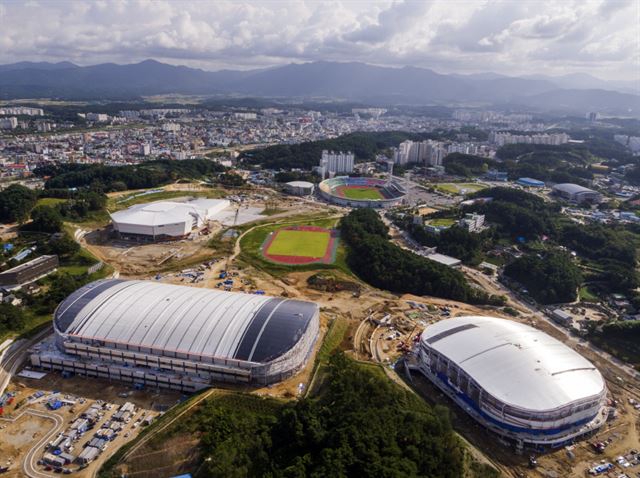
<point x="245" y="116"/>
<point x="180" y="155"/>
<point x="515" y="380"/>
<point x="97" y="117"/>
<point x="21" y="111"/>
<point x="165" y="220"/>
<point x="43" y="126"/>
<point x="145" y="149"/>
<point x="577" y="193"/>
<point x="375" y="112"/>
<point x="299" y="188"/>
<point x="177" y="337"/>
<point x="472" y="222"/>
<point x="9" y="123"/>
<point x="430" y="153"/>
<point x="337" y="162"/>
<point x="171" y="127"/>
<point x="502" y="138"/>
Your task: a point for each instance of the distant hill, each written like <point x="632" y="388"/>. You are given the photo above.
<point x="603" y="101"/>
<point x="584" y="81"/>
<point x="347" y="81"/>
<point x="41" y="65"/>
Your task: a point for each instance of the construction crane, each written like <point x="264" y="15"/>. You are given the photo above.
<point x="405" y="346"/>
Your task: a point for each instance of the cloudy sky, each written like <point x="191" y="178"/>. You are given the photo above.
<point x="512" y="37"/>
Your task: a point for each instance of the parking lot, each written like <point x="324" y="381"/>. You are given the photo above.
<point x="47" y="428"/>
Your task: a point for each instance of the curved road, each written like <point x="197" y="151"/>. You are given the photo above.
<point x="29" y="464"/>
<point x="13" y="360"/>
<point x="30" y="461"/>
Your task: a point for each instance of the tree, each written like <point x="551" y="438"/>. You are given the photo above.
<point x="46" y="219"/>
<point x="16" y="203"/>
<point x="550" y="279"/>
<point x="383" y="264"/>
<point x="231" y="179"/>
<point x="12" y="318"/>
<point x="63" y="246"/>
<point x="363" y="425"/>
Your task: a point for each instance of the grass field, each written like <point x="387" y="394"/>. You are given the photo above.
<point x="442" y="222"/>
<point x="587" y="295"/>
<point x="362" y="193"/>
<point x="460" y="188"/>
<point x="300" y="243"/>
<point x="50" y="201"/>
<point x="252" y="251"/>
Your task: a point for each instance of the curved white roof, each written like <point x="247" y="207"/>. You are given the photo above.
<point x="300" y="184"/>
<point x="571" y="188"/>
<point x="173" y="319"/>
<point x="516" y="364"/>
<point x="168" y="212"/>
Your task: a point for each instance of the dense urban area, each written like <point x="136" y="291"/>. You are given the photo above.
<point x="251" y="287"/>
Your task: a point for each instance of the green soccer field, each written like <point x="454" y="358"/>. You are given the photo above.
<point x="362" y="193"/>
<point x="460" y="188"/>
<point x="300" y="243"/>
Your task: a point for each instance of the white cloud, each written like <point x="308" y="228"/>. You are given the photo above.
<point x="512" y="37"/>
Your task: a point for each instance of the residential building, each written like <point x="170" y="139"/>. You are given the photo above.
<point x="337" y="162"/>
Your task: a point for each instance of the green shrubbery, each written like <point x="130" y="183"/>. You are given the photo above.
<point x="362" y="425"/>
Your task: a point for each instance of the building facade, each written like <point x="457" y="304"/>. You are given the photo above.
<point x="177" y="337"/>
<point x="515" y="380"/>
<point x="337" y="162"/>
<point x="29" y="271"/>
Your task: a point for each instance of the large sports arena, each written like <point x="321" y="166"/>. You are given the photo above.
<point x="362" y="192"/>
<point x="165" y="220"/>
<point x="517" y="381"/>
<point x="178" y="337"/>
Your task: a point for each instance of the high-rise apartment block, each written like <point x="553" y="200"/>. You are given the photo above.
<point x="337" y="162"/>
<point x="501" y="138"/>
<point x="426" y="152"/>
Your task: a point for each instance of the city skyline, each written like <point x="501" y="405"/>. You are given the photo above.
<point x="510" y="38"/>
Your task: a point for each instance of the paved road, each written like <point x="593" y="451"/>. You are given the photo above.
<point x="492" y="285"/>
<point x="29" y="465"/>
<point x="16" y="355"/>
<point x="30" y="462"/>
<point x="496" y="287"/>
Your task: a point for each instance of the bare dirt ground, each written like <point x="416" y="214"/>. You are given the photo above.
<point x="381" y="324"/>
<point x="145" y="260"/>
<point x="19" y="437"/>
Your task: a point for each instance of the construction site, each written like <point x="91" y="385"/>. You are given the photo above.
<point x="369" y="324"/>
<point x="47" y="426"/>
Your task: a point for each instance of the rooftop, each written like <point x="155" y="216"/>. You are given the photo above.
<point x="517" y="364"/>
<point x="29" y="264"/>
<point x="168" y="212"/>
<point x="180" y="319"/>
<point x="572" y="188"/>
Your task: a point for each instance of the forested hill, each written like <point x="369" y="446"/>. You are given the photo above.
<point x="306" y="155"/>
<point x="117" y="178"/>
<point x="362" y="425"/>
<point x="383" y="264"/>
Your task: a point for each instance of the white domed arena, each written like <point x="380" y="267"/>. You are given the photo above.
<point x="178" y="337"/>
<point x="515" y="380"/>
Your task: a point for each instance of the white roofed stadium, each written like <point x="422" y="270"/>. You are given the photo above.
<point x="165" y="220"/>
<point x="517" y="381"/>
<point x="178" y="337"/>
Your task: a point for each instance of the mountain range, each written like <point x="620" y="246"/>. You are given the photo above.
<point x="351" y="81"/>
